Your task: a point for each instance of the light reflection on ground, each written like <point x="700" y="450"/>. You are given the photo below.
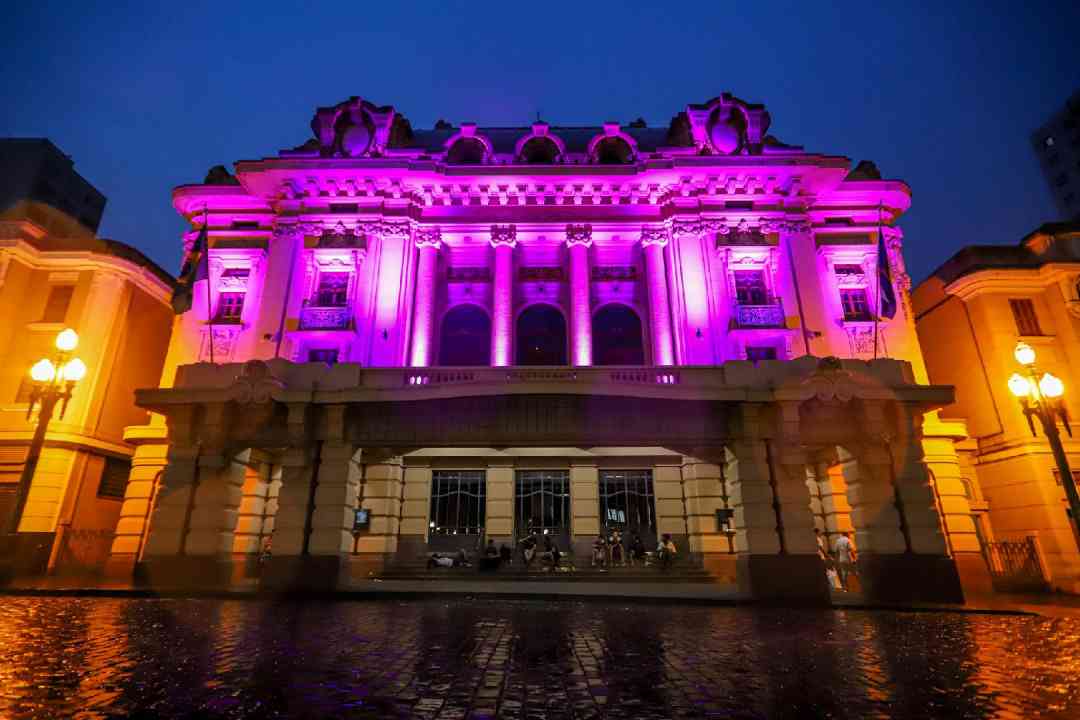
<point x="466" y="658"/>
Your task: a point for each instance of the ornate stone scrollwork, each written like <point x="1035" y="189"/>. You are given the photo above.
<point x="342" y="237"/>
<point x="654" y="236"/>
<point x="579" y="235"/>
<point x="428" y="236"/>
<point x="684" y="228"/>
<point x="503" y="235"/>
<point x="255" y="384"/>
<point x="394" y="230"/>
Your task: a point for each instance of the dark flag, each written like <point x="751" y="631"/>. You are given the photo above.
<point x="196" y="267"/>
<point x="886" y="291"/>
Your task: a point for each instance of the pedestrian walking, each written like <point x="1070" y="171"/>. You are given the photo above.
<point x="845" y="558"/>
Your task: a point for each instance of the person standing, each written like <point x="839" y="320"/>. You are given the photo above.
<point x="667" y="551"/>
<point x="845" y="558"/>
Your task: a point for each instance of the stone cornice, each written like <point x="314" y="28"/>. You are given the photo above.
<point x="1006" y="280"/>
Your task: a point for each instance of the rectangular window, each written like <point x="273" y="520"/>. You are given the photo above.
<point x="114" y="478"/>
<point x="750" y="287"/>
<point x="458" y="502"/>
<point x="1027" y="322"/>
<point x="542" y="501"/>
<point x="757" y="354"/>
<point x="627" y="504"/>
<point x="323" y="355"/>
<point x="856" y="306"/>
<point x="230" y="307"/>
<point x="333" y="289"/>
<point x="56" y="306"/>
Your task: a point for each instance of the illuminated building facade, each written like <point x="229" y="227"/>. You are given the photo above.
<point x="971" y="312"/>
<point x="475" y="332"/>
<point x="118" y="302"/>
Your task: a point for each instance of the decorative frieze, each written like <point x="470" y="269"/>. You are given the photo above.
<point x="468" y="274"/>
<point x="540" y="274"/>
<point x="614" y="273"/>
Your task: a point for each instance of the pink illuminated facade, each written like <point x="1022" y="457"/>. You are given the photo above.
<point x="679" y="257"/>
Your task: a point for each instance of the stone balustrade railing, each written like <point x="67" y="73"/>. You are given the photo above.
<point x="325" y="318"/>
<point x="682" y="380"/>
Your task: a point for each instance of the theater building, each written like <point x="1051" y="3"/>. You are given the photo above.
<point x="475" y="332"/>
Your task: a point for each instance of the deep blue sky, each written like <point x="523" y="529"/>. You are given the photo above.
<point x="145" y="98"/>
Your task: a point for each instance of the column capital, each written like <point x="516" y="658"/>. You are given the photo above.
<point x="654" y="236"/>
<point x="503" y="235"/>
<point x="428" y="236"/>
<point x="578" y="235"/>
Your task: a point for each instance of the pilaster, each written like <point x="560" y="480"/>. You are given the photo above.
<point x="578" y="241"/>
<point x="503" y="240"/>
<point x="499" y="513"/>
<point x="653" y="242"/>
<point x="427" y="241"/>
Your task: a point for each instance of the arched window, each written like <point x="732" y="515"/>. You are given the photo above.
<point x="614" y="151"/>
<point x="541" y="336"/>
<point x="466" y="337"/>
<point x="540" y="151"/>
<point x="466" y="151"/>
<point x="616" y="336"/>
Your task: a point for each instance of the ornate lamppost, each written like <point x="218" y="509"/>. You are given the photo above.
<point x="54" y="379"/>
<point x="1041" y="397"/>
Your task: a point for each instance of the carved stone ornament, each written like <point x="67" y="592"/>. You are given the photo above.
<point x="503" y="235"/>
<point x="255" y="384"/>
<point x="224" y="339"/>
<point x="683" y="228"/>
<point x="861" y="339"/>
<point x="654" y="236"/>
<point x="579" y="235"/>
<point x="428" y="236"/>
<point x="395" y="230"/>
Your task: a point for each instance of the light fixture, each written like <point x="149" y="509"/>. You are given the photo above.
<point x="1019" y="385"/>
<point x="43" y="371"/>
<point x="67" y="340"/>
<point x="1051" y="386"/>
<point x="73" y="370"/>
<point x="1024" y="354"/>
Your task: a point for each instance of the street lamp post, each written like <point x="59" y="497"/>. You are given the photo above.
<point x="54" y="379"/>
<point x="1041" y="397"/>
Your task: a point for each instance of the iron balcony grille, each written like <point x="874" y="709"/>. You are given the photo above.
<point x="325" y="318"/>
<point x="759" y="316"/>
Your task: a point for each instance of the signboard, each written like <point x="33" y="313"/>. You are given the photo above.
<point x="361" y="520"/>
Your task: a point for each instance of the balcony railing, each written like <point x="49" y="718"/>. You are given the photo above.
<point x="759" y="316"/>
<point x="325" y="318"/>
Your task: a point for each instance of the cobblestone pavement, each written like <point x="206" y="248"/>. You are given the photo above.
<point x="487" y="658"/>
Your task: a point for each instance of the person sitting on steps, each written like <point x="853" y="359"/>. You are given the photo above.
<point x="667" y="551"/>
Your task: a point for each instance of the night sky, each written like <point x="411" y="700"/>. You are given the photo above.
<point x="147" y="98"/>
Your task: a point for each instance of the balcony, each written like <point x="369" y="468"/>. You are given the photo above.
<point x="759" y="316"/>
<point x="326" y="318"/>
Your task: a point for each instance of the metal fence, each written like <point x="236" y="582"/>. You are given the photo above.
<point x="1015" y="567"/>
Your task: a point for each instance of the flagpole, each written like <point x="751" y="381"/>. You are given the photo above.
<point x="877" y="294"/>
<point x="209" y="304"/>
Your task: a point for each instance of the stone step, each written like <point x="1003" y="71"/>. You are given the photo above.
<point x="678" y="575"/>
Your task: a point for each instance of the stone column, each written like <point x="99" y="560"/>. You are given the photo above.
<point x="702" y="484"/>
<point x="147" y="466"/>
<point x="168" y="519"/>
<point x="777" y="554"/>
<point x="947" y="476"/>
<point x="653" y="242"/>
<point x="382" y="496"/>
<point x="247" y="540"/>
<point x="415" y="510"/>
<point x="290" y="521"/>
<point x="499" y="512"/>
<point x="584" y="509"/>
<point x="503" y="240"/>
<point x="578" y="241"/>
<point x="427" y="241"/>
<point x="671" y="509"/>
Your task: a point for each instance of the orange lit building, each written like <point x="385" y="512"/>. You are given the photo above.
<point x="970" y="314"/>
<point x="118" y="302"/>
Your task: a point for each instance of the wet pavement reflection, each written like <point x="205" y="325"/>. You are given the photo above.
<point x="484" y="658"/>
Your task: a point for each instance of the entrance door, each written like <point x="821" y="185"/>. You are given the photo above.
<point x="542" y="505"/>
<point x="627" y="504"/>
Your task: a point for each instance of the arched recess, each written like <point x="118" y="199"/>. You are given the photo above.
<point x="541" y="336"/>
<point x="465" y="337"/>
<point x="540" y="150"/>
<point x="617" y="337"/>
<point x="467" y="151"/>
<point x="613" y="150"/>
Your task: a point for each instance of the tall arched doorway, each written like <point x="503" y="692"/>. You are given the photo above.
<point x="465" y="338"/>
<point x="616" y="336"/>
<point x="541" y="336"/>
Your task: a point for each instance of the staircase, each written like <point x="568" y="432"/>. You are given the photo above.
<point x="418" y="570"/>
